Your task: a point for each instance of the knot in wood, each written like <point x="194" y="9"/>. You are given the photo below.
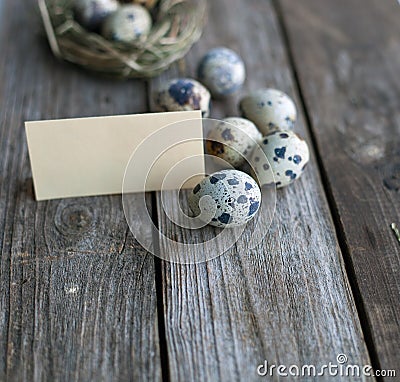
<point x="74" y="219"/>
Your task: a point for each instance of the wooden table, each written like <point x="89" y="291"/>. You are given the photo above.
<point x="80" y="298"/>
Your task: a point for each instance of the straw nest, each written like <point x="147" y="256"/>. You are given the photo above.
<point x="177" y="25"/>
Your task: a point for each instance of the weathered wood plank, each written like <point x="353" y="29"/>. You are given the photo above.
<point x="78" y="299"/>
<point x="288" y="300"/>
<point x="347" y="56"/>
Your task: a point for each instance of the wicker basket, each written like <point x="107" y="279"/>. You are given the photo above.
<point x="177" y="26"/>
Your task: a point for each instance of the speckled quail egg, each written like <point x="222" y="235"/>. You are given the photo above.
<point x="91" y="13"/>
<point x="233" y="140"/>
<point x="227" y="198"/>
<point x="181" y="94"/>
<point x="222" y="71"/>
<point x="270" y="110"/>
<point x="127" y="24"/>
<point x="287" y="155"/>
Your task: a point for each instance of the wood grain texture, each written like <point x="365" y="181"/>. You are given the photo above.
<point x="348" y="65"/>
<point x="286" y="301"/>
<point x="77" y="297"/>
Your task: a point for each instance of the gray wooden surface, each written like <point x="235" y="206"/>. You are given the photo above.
<point x="81" y="300"/>
<point x="78" y="298"/>
<point x="288" y="300"/>
<point x="348" y="64"/>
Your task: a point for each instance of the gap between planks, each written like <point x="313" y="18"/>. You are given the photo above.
<point x="340" y="233"/>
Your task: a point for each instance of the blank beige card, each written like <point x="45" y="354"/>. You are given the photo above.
<point x="89" y="156"/>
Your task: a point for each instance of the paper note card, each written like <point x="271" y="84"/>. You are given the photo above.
<point x="89" y="156"/>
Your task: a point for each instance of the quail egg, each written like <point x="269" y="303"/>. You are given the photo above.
<point x="270" y="110"/>
<point x="91" y="13"/>
<point x="181" y="94"/>
<point x="287" y="156"/>
<point x="227" y="198"/>
<point x="233" y="140"/>
<point x="127" y="24"/>
<point x="222" y="71"/>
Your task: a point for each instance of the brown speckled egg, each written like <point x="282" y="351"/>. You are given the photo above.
<point x="233" y="140"/>
<point x="181" y="94"/>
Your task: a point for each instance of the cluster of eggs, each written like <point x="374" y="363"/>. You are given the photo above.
<point x="221" y="73"/>
<point x="117" y="21"/>
<point x="262" y="137"/>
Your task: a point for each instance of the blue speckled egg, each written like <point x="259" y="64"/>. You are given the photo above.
<point x="287" y="154"/>
<point x="270" y="110"/>
<point x="129" y="23"/>
<point x="233" y="140"/>
<point x="182" y="94"/>
<point x="227" y="198"/>
<point x="91" y="13"/>
<point x="222" y="71"/>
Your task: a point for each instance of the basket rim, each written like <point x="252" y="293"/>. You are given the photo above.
<point x="146" y="58"/>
